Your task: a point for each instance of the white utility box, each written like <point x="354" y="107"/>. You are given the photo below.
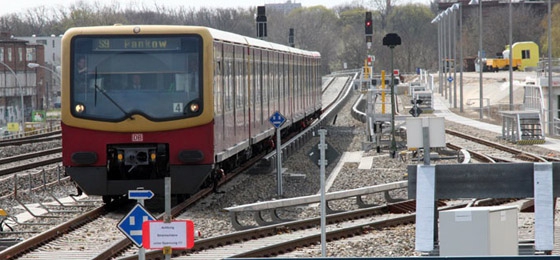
<point x="478" y="231"/>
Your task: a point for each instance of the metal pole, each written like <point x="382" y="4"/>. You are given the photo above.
<point x="393" y="110"/>
<point x="444" y="78"/>
<point x="461" y="55"/>
<point x="279" y="161"/>
<point x="141" y="250"/>
<point x="549" y="42"/>
<point x="480" y="56"/>
<point x="510" y="60"/>
<point x="323" y="146"/>
<point x="450" y="51"/>
<point x="440" y="54"/>
<point x="21" y="95"/>
<point x="454" y="60"/>
<point x="167" y="218"/>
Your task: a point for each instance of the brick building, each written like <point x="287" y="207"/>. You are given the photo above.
<point x="18" y="82"/>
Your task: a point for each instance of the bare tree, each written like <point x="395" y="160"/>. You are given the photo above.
<point x="317" y="29"/>
<point x="555" y="32"/>
<point x="418" y="39"/>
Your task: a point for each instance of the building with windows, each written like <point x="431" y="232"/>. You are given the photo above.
<point x="52" y="47"/>
<point x="286" y="7"/>
<point x="45" y="78"/>
<point x="19" y="91"/>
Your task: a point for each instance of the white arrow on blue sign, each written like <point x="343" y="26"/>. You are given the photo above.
<point x="277" y="119"/>
<point x="131" y="224"/>
<point x="140" y="194"/>
<point x="450" y="79"/>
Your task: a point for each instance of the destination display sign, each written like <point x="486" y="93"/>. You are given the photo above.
<point x="137" y="44"/>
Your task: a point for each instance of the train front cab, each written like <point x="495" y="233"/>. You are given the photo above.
<point x="115" y="138"/>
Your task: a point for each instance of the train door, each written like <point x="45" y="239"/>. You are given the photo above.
<point x="257" y="92"/>
<point x="306" y="84"/>
<point x="289" y="85"/>
<point x="283" y="82"/>
<point x="229" y="96"/>
<point x="219" y="98"/>
<point x="240" y="94"/>
<point x="266" y="81"/>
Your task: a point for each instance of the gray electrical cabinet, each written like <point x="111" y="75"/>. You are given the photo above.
<point x="479" y="231"/>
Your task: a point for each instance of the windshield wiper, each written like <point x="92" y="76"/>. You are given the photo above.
<point x="97" y="88"/>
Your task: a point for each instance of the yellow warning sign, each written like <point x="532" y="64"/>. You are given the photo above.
<point x="13" y="127"/>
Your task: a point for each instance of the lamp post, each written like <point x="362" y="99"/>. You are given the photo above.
<point x="549" y="44"/>
<point x="450" y="54"/>
<point x="480" y="68"/>
<point x="440" y="66"/>
<point x="32" y="65"/>
<point x="445" y="50"/>
<point x="458" y="6"/>
<point x="510" y="60"/>
<point x="21" y="94"/>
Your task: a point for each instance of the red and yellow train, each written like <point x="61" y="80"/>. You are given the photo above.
<point x="140" y="103"/>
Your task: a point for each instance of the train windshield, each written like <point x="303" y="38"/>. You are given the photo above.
<point x="116" y="77"/>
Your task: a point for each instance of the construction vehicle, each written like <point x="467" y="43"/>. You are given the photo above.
<point x="502" y="64"/>
<point x="525" y="54"/>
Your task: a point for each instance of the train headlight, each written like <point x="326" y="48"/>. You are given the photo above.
<point x="194" y="107"/>
<point x="120" y="157"/>
<point x="80" y="108"/>
<point x="153" y="156"/>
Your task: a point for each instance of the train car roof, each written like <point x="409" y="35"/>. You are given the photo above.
<point x="240" y="39"/>
<point x="227" y="37"/>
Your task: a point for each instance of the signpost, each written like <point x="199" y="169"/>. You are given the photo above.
<point x="140" y="194"/>
<point x="177" y="234"/>
<point x="131" y="224"/>
<point x="277" y="120"/>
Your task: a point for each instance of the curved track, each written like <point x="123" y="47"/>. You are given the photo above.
<point x="37" y="247"/>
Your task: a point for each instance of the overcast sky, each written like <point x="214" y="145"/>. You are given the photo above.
<point x="17" y="6"/>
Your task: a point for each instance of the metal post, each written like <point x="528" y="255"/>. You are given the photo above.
<point x="440" y="53"/>
<point x="393" y="110"/>
<point x="549" y="42"/>
<point x="279" y="161"/>
<point x="141" y="250"/>
<point x="450" y="53"/>
<point x="510" y="60"/>
<point x="481" y="68"/>
<point x="461" y="55"/>
<point x="454" y="59"/>
<point x="167" y="218"/>
<point x="444" y="57"/>
<point x="322" y="163"/>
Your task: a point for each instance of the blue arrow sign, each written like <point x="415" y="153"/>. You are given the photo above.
<point x="131" y="224"/>
<point x="140" y="194"/>
<point x="277" y="119"/>
<point x="450" y="79"/>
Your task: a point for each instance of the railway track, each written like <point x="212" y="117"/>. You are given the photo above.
<point x="44" y="137"/>
<point x="488" y="151"/>
<point x="283" y="243"/>
<point x="274" y="240"/>
<point x="42" y="247"/>
<point x="29" y="161"/>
